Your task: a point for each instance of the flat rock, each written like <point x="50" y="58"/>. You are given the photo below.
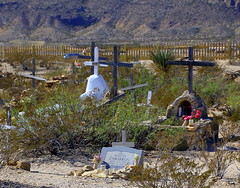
<point x="23" y="165"/>
<point x="12" y="162"/>
<point x="92" y="173"/>
<point x="78" y="172"/>
<point x="88" y="168"/>
<point x="100" y="175"/>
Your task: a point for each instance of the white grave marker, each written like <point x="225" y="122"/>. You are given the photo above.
<point x="96" y="87"/>
<point x="118" y="157"/>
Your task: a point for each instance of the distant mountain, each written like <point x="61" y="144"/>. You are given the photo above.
<point x="82" y="21"/>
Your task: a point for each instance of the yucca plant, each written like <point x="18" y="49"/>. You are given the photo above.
<point x="160" y="58"/>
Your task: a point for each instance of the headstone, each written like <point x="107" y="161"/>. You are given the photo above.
<point x="119" y="156"/>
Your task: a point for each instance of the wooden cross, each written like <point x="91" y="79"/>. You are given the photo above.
<point x="115" y="65"/>
<point x="124" y="141"/>
<point x="190" y="63"/>
<point x="33" y="77"/>
<point x="9" y="115"/>
<point x="93" y="63"/>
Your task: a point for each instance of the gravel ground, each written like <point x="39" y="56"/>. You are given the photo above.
<point x="51" y="172"/>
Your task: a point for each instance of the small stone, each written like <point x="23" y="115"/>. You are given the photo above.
<point x="92" y="173"/>
<point x="113" y="177"/>
<point x="19" y="171"/>
<point x="78" y="164"/>
<point x="217" y="113"/>
<point x="78" y="172"/>
<point x="87" y="174"/>
<point x="237" y="80"/>
<point x="99" y="175"/>
<point x="122" y="170"/>
<point x="3" y="162"/>
<point x="88" y="168"/>
<point x="12" y="162"/>
<point x="189" y="128"/>
<point x="106" y="171"/>
<point x="23" y="165"/>
<point x="124" y="176"/>
<point x="70" y="173"/>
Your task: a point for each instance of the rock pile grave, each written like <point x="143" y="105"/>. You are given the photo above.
<point x="190" y="101"/>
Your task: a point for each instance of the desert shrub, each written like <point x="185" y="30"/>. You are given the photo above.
<point x="215" y="89"/>
<point x="53" y="121"/>
<point x="124" y="114"/>
<point x="169" y="139"/>
<point x="214" y="71"/>
<point x="232" y="100"/>
<point x="47" y="61"/>
<point x="167" y="89"/>
<point x="62" y="121"/>
<point x="219" y="161"/>
<point x="210" y="89"/>
<point x="160" y="57"/>
<point x="22" y="58"/>
<point x="233" y="114"/>
<point x="171" y="171"/>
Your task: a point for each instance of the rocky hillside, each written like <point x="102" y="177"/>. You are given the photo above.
<point x="79" y="21"/>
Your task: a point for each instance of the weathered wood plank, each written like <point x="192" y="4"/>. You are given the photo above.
<point x="129" y="65"/>
<point x="193" y="63"/>
<point x="134" y="87"/>
<point x="33" y="77"/>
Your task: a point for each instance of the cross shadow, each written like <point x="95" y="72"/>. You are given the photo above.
<point x="48" y="173"/>
<point x="10" y="184"/>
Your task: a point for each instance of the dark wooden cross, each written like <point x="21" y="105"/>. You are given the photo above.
<point x="190" y="63"/>
<point x="115" y="65"/>
<point x="32" y="76"/>
<point x="9" y="115"/>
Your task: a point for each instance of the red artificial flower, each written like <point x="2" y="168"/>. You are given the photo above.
<point x="197" y="116"/>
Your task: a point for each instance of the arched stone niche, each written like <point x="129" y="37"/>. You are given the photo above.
<point x="185" y="104"/>
<point x="238" y="5"/>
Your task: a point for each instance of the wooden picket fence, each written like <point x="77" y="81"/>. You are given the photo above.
<point x="202" y="51"/>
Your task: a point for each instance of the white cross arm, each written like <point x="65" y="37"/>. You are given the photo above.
<point x="90" y="63"/>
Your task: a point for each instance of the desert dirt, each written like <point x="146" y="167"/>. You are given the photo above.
<point x="52" y="172"/>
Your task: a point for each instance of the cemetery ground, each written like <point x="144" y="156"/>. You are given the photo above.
<point x="51" y="169"/>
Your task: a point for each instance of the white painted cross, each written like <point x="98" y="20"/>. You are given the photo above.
<point x="124" y="141"/>
<point x="96" y="63"/>
<point x="149" y="97"/>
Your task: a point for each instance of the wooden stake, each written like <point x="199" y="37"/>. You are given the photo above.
<point x="33" y="73"/>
